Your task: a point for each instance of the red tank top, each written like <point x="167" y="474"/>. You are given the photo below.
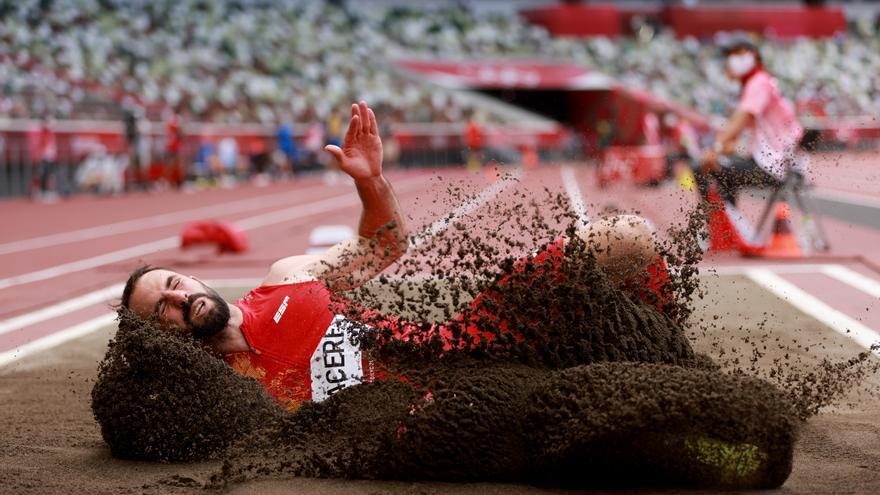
<point x="300" y="348"/>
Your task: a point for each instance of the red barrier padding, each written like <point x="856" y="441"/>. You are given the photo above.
<point x="577" y="20"/>
<point x="779" y="21"/>
<point x="227" y="237"/>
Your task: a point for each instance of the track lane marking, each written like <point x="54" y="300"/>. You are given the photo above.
<point x="775" y="268"/>
<point x="262" y="220"/>
<point x="812" y="306"/>
<point x="57" y="338"/>
<point x="854" y="279"/>
<point x="75" y="304"/>
<point x="144" y="223"/>
<point x="575" y="199"/>
<point x="465" y="208"/>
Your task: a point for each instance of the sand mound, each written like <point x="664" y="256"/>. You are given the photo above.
<point x="161" y="397"/>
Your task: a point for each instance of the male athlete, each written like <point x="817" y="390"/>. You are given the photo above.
<point x="285" y="333"/>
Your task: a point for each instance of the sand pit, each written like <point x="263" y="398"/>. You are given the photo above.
<point x="586" y="384"/>
<point x="583" y="377"/>
<point x="54" y="446"/>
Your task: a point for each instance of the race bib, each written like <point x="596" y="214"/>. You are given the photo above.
<point x="337" y="362"/>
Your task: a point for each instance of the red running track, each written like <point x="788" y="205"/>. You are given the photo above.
<point x="56" y="253"/>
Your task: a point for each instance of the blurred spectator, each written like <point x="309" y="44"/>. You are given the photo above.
<point x="762" y="110"/>
<point x="206" y="165"/>
<point x="390" y="146"/>
<point x="287" y="146"/>
<point x="334" y="128"/>
<point x="101" y="173"/>
<point x="230" y="159"/>
<point x="46" y="157"/>
<point x="260" y="161"/>
<point x="313" y="144"/>
<point x="132" y="131"/>
<point x="474" y="138"/>
<point x="175" y="169"/>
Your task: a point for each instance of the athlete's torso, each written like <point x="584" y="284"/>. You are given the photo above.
<point x="300" y="348"/>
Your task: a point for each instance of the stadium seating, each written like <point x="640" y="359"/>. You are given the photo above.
<point x="231" y="61"/>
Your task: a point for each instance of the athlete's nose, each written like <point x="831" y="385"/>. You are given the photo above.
<point x="176" y="296"/>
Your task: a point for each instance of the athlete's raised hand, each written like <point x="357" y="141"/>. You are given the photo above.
<point x="361" y="152"/>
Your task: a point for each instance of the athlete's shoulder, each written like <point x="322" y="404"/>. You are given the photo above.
<point x="290" y="270"/>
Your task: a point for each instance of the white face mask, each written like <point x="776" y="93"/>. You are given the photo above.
<point x="742" y="64"/>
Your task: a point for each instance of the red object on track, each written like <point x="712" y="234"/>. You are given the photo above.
<point x="227" y="237"/>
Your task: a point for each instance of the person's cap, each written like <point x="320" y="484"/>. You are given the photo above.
<point x="734" y="42"/>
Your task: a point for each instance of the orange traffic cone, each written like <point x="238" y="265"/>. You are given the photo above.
<point x="723" y="235"/>
<point x="783" y="243"/>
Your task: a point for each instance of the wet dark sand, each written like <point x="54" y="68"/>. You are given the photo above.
<point x="52" y="444"/>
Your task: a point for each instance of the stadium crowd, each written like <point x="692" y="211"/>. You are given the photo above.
<point x="232" y="61"/>
<point x="297" y="61"/>
<point x="209" y="61"/>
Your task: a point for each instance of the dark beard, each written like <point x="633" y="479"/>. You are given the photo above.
<point x="214" y="321"/>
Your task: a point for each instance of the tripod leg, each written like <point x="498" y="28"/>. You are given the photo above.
<point x="811" y="223"/>
<point x="761" y="230"/>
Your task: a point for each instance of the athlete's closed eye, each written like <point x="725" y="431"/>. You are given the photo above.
<point x="171" y="283"/>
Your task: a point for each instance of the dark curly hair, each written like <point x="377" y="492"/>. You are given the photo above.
<point x="135" y="275"/>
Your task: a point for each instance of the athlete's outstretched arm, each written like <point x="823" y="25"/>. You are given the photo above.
<point x="382" y="235"/>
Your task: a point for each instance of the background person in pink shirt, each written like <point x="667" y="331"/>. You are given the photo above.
<point x="775" y="131"/>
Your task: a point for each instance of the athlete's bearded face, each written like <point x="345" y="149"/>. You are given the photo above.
<point x="215" y="316"/>
<point x="180" y="302"/>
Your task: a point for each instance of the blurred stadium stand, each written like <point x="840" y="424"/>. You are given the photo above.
<point x="240" y="68"/>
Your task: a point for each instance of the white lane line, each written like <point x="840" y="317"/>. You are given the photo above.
<point x="77" y="303"/>
<point x="569" y="182"/>
<point x="853" y="278"/>
<point x="468" y="206"/>
<point x="299" y="211"/>
<point x="775" y="268"/>
<point x="111" y="229"/>
<point x="93" y="262"/>
<point x="812" y="306"/>
<point x="56" y="338"/>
